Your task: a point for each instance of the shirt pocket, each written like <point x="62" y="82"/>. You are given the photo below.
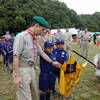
<point x="28" y="53"/>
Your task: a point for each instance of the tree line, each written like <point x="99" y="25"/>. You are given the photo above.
<point x="16" y="15"/>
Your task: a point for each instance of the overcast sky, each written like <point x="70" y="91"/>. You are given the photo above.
<point x="83" y="6"/>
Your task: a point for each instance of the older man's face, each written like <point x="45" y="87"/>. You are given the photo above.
<point x="40" y="29"/>
<point x="45" y="32"/>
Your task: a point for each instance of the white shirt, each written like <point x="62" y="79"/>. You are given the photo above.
<point x="67" y="37"/>
<point x="59" y="35"/>
<point x="7" y="36"/>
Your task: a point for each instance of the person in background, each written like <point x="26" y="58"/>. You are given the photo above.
<point x="59" y="34"/>
<point x="85" y="42"/>
<point x="94" y="38"/>
<point x="79" y="37"/>
<point x="1" y="47"/>
<point x="10" y="54"/>
<point x="67" y="37"/>
<point x="7" y="35"/>
<point x="5" y="53"/>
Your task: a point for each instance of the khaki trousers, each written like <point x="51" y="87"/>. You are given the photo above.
<point x="28" y="90"/>
<point x="85" y="47"/>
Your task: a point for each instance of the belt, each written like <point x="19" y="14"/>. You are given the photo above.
<point x="26" y="64"/>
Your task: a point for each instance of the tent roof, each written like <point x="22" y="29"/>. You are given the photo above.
<point x="97" y="32"/>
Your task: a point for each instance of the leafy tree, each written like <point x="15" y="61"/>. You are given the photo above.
<point x="16" y="15"/>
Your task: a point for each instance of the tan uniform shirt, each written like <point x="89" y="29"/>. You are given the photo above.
<point x="85" y="36"/>
<point x="23" y="47"/>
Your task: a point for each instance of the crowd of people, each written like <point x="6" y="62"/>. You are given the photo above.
<point x="6" y="51"/>
<point x="20" y="55"/>
<point x="83" y="40"/>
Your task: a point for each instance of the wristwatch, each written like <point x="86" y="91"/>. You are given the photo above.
<point x="51" y="62"/>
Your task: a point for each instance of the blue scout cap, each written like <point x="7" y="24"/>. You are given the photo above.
<point x="48" y="43"/>
<point x="59" y="41"/>
<point x="41" y="21"/>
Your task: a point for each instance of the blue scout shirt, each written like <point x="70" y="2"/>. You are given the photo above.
<point x="10" y="53"/>
<point x="5" y="48"/>
<point x="61" y="55"/>
<point x="11" y="40"/>
<point x="9" y="48"/>
<point x="45" y="66"/>
<point x="5" y="51"/>
<point x="47" y="75"/>
<point x="1" y="47"/>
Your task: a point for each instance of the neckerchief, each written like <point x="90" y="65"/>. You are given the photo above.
<point x="29" y="30"/>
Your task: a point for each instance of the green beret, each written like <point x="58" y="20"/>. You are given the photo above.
<point x="41" y="21"/>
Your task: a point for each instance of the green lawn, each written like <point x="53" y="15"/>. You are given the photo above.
<point x="88" y="88"/>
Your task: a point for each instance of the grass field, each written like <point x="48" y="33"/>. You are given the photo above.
<point x="88" y="88"/>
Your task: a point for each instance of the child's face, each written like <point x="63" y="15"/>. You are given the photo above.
<point x="49" y="49"/>
<point x="60" y="45"/>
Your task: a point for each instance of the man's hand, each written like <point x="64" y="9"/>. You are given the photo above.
<point x="56" y="64"/>
<point x="17" y="82"/>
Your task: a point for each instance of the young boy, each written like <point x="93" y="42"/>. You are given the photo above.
<point x="60" y="53"/>
<point x="47" y="73"/>
<point x="5" y="53"/>
<point x="10" y="55"/>
<point x="61" y="57"/>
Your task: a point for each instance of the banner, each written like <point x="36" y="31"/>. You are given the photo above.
<point x="69" y="75"/>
